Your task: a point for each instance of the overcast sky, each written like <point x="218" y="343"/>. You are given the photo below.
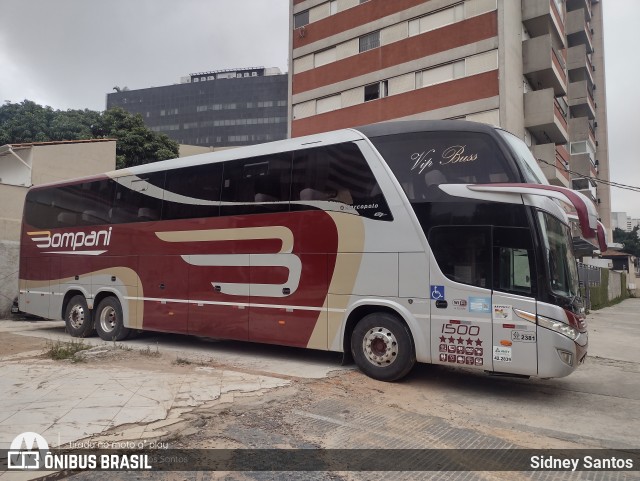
<point x="71" y="53"/>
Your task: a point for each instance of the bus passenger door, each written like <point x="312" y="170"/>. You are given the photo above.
<point x="513" y="307"/>
<point x="514" y="348"/>
<point x="460" y="296"/>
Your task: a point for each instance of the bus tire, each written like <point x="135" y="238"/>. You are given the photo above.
<point x="109" y="321"/>
<point x="77" y="317"/>
<point x="382" y="347"/>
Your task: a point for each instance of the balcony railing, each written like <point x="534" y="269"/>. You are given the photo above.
<point x="581" y="129"/>
<point x="543" y="65"/>
<point x="555" y="161"/>
<point x="581" y="102"/>
<point x="546" y="116"/>
<point x="542" y="18"/>
<point x="579" y="30"/>
<point x="580" y="5"/>
<point x="579" y="64"/>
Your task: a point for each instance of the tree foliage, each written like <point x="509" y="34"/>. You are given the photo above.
<point x="629" y="240"/>
<point x="136" y="144"/>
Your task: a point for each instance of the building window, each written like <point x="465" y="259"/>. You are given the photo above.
<point x="301" y="19"/>
<point x="370" y="41"/>
<point x="376" y="90"/>
<point x="333" y="7"/>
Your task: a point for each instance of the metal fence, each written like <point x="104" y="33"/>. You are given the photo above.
<point x="589" y="276"/>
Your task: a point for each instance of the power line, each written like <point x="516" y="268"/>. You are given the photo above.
<point x="632" y="188"/>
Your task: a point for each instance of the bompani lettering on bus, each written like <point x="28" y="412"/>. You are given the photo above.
<point x="72" y="240"/>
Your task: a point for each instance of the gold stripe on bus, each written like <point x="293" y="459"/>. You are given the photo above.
<point x="350" y="239"/>
<point x="241" y="233"/>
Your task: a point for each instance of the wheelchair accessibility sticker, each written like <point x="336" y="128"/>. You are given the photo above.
<point x="437" y="293"/>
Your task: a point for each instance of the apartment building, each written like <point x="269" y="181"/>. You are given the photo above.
<point x="219" y="108"/>
<point x="533" y="67"/>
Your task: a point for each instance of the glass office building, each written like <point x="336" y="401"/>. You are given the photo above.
<point x="222" y="108"/>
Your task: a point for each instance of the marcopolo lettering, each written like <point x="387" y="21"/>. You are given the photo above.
<point x="71" y="240"/>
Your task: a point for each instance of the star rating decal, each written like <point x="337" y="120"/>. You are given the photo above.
<point x="452" y="350"/>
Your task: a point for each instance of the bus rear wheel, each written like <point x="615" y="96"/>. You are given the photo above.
<point x="382" y="347"/>
<point x="77" y="317"/>
<point x="109" y="320"/>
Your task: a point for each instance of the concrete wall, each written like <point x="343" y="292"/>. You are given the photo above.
<point x="52" y="163"/>
<point x="12" y="202"/>
<point x="614" y="289"/>
<point x="9" y="254"/>
<point x="510" y="66"/>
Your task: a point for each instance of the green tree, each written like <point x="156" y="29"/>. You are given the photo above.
<point x="629" y="240"/>
<point x="136" y="144"/>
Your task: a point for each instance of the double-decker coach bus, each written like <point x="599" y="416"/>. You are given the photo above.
<point x="430" y="241"/>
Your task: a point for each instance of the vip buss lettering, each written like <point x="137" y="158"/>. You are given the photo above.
<point x="72" y="240"/>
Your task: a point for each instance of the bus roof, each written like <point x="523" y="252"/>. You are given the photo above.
<point x="315" y="140"/>
<point x="409" y="126"/>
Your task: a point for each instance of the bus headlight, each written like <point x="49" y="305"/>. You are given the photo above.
<point x="560" y="327"/>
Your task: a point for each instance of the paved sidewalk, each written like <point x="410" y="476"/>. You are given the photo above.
<point x="65" y="402"/>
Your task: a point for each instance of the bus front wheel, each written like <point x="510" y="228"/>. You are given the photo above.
<point x="77" y="317"/>
<point x="382" y="347"/>
<point x="109" y="321"/>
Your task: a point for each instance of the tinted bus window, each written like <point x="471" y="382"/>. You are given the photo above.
<point x="193" y="192"/>
<point x="513" y="261"/>
<point x="70" y="205"/>
<point x="138" y="199"/>
<point x="255" y="185"/>
<point x="341" y="174"/>
<point x="463" y="253"/>
<point x="95" y="199"/>
<point x="422" y="160"/>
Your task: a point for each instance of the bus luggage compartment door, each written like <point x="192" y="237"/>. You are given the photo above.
<point x="514" y="347"/>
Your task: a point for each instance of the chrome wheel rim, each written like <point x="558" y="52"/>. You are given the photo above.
<point x="380" y="346"/>
<point x="76" y="316"/>
<point x="108" y="319"/>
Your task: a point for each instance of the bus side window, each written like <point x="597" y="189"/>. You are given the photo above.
<point x="136" y="200"/>
<point x="192" y="192"/>
<point x="256" y="185"/>
<point x="463" y="253"/>
<point x="338" y="173"/>
<point x="514" y="265"/>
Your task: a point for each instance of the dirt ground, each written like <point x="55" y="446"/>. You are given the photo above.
<point x="435" y="407"/>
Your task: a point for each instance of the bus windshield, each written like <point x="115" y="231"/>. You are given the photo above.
<point x="563" y="270"/>
<point x="526" y="161"/>
<point x="422" y="160"/>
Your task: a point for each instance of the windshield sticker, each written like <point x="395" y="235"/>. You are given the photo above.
<point x="480" y="304"/>
<point x="420" y="160"/>
<point x="454" y="154"/>
<point x="502" y="354"/>
<point x="502" y="312"/>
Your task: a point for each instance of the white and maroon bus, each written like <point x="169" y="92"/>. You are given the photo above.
<point x="430" y="241"/>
